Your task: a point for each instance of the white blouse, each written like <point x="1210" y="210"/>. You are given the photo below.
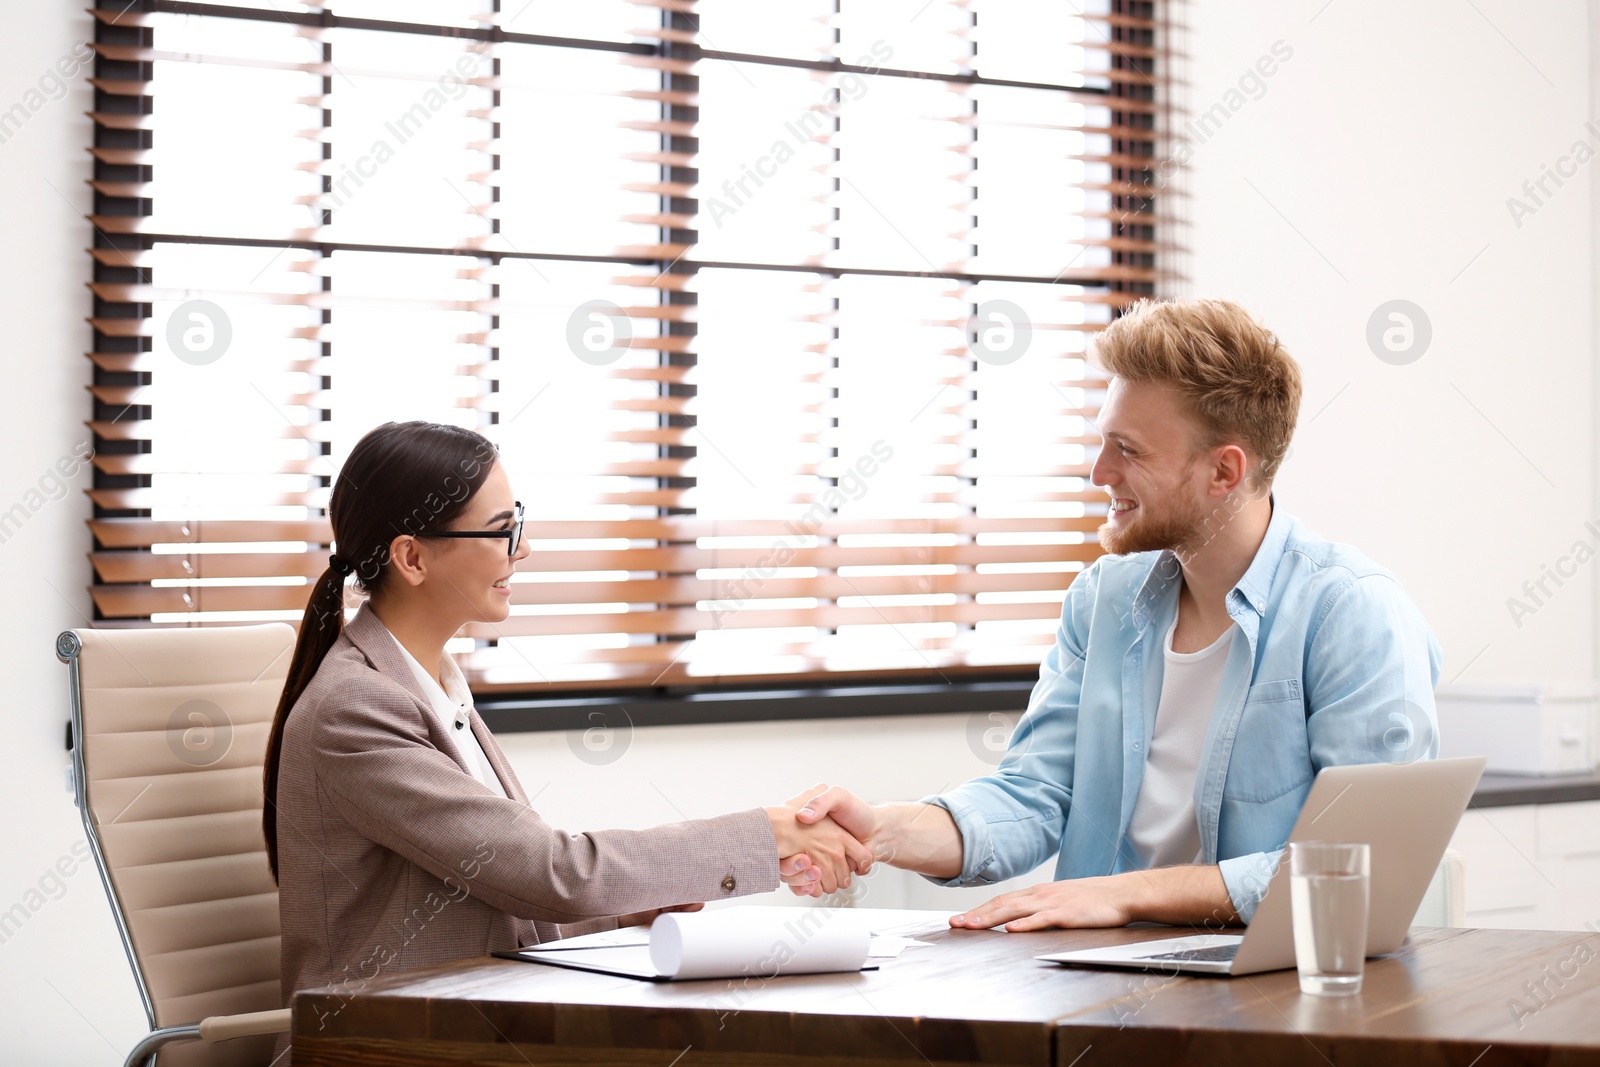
<point x="448" y="705"/>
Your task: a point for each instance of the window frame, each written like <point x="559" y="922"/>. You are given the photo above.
<point x="529" y="707"/>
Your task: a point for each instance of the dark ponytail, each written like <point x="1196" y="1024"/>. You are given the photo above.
<point x="401" y="478"/>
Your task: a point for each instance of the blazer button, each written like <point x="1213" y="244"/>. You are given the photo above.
<point x="729" y="884"/>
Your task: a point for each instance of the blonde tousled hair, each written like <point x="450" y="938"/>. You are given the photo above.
<point x="1231" y="371"/>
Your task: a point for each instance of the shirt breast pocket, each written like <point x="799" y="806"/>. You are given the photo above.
<point x="1271" y="755"/>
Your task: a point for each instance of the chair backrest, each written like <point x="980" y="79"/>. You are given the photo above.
<point x="170" y="729"/>
<point x="1445" y="902"/>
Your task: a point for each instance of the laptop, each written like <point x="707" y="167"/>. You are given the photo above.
<point x="1407" y="813"/>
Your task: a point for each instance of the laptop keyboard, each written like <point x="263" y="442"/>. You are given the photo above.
<point x="1219" y="953"/>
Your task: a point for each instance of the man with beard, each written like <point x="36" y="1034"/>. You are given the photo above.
<point x="1203" y="671"/>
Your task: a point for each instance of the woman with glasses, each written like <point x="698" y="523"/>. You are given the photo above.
<point x="396" y="830"/>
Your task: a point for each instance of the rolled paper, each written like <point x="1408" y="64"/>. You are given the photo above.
<point x="756" y="942"/>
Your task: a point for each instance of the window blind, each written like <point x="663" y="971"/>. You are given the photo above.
<point x="777" y="313"/>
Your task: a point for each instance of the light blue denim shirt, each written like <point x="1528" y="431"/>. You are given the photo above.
<point x="1337" y="666"/>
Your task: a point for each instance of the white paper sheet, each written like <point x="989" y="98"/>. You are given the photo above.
<point x="739" y="942"/>
<point x="902" y="922"/>
<point x="627" y="935"/>
<point x="888" y="946"/>
<point x="890" y="931"/>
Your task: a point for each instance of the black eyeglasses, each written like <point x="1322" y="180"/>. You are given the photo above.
<point x="513" y="536"/>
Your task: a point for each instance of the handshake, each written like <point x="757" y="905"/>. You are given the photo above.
<point x="824" y="836"/>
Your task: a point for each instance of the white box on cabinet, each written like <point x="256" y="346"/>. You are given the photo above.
<point x="1526" y="729"/>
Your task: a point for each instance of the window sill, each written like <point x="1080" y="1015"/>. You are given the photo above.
<point x="612" y="710"/>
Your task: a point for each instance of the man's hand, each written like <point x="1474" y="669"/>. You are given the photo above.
<point x="1076" y="902"/>
<point x="818" y="858"/>
<point x="917" y="837"/>
<point x="854" y="815"/>
<point x="1192" y="895"/>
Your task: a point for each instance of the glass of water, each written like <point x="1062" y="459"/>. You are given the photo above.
<point x="1329" y="885"/>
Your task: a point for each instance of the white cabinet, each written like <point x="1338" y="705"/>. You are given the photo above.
<point x="1532" y="866"/>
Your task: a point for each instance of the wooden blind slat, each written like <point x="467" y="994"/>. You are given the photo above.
<point x="689" y="591"/>
<point x="681" y="621"/>
<point x="686" y="559"/>
<point x="142" y="533"/>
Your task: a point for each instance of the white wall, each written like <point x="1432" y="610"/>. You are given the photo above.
<point x="62" y="975"/>
<point x="1377" y="167"/>
<point x="1390" y="140"/>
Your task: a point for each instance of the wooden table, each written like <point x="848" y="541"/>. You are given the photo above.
<point x="1448" y="996"/>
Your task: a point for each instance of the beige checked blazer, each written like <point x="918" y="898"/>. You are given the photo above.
<point x="392" y="856"/>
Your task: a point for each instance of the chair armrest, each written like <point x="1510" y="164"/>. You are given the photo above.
<point x="250" y="1024"/>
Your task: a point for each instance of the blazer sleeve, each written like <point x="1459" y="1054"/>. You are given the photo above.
<point x="380" y="771"/>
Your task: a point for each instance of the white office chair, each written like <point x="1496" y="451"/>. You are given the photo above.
<point x="169" y="730"/>
<point x="1445" y="902"/>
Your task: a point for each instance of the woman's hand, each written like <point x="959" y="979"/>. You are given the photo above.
<point x="645" y="918"/>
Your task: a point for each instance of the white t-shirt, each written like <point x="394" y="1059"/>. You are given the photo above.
<point x="1163" y="830"/>
<point x="447" y="705"/>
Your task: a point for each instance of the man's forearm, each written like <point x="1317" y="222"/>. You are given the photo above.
<point x="918" y="837"/>
<point x="1180" y="896"/>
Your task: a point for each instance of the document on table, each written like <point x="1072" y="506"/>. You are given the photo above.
<point x="742" y="941"/>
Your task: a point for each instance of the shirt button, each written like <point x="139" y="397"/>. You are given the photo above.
<point x="729" y="884"/>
